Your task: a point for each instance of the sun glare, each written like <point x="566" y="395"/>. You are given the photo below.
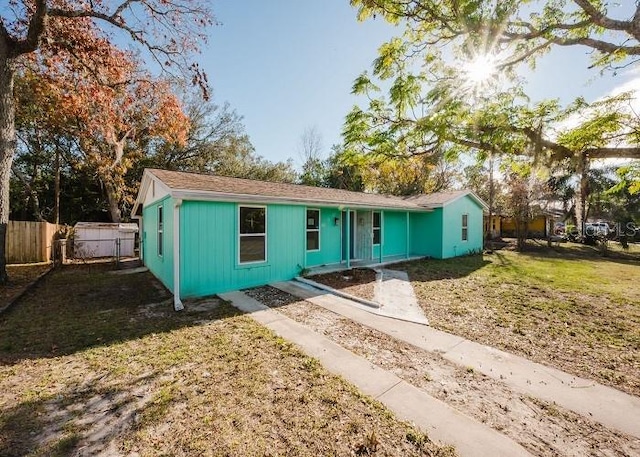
<point x="480" y="69"/>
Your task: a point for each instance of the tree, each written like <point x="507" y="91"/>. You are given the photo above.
<point x="310" y="151"/>
<point x="216" y="143"/>
<point x="168" y="30"/>
<point x="342" y="172"/>
<point x="441" y="83"/>
<point x="518" y="30"/>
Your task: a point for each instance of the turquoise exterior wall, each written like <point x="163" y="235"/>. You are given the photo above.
<point x="209" y="248"/>
<point x="426" y="234"/>
<point x="330" y="238"/>
<point x="209" y="241"/>
<point x="452" y="244"/>
<point x="160" y="266"/>
<point x="394" y="233"/>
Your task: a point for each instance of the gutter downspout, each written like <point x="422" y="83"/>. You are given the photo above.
<point x="177" y="303"/>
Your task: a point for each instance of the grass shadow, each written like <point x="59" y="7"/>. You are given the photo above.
<point x="438" y="269"/>
<point x="83" y="306"/>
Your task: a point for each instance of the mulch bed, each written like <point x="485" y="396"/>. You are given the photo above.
<point x="357" y="281"/>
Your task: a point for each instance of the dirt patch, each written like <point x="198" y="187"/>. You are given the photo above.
<point x="569" y="309"/>
<point x="20" y="276"/>
<point x="357" y="281"/>
<point x="586" y="332"/>
<point x="98" y="363"/>
<point x="543" y="428"/>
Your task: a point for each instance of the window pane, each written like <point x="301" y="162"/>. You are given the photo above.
<point x="464" y="234"/>
<point x="252" y="220"/>
<point x="376" y="219"/>
<point x="252" y="248"/>
<point x="313" y="241"/>
<point x="464" y="220"/>
<point x="376" y="236"/>
<point x="313" y="219"/>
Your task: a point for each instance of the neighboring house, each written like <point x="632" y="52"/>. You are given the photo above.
<point x="536" y="226"/>
<point x="212" y="234"/>
<point x="494" y="226"/>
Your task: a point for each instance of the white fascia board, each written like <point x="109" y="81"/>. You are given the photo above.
<point x="466" y="194"/>
<point x="245" y="198"/>
<point x="162" y="190"/>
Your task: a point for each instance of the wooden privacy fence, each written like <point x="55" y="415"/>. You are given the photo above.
<point x="29" y="242"/>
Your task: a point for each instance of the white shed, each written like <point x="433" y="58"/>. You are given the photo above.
<point x="100" y="239"/>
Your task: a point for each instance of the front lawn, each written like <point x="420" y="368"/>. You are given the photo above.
<point x="568" y="308"/>
<point x="97" y="362"/>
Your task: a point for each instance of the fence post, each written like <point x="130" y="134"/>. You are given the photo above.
<point x="117" y="252"/>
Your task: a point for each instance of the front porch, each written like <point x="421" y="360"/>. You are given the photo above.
<point x="373" y="264"/>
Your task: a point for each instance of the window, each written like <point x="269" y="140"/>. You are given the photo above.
<point x="160" y="231"/>
<point x="376" y="228"/>
<point x="253" y="234"/>
<point x="465" y="227"/>
<point x="313" y="230"/>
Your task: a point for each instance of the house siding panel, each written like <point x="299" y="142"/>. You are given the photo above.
<point x="160" y="266"/>
<point x="209" y="254"/>
<point x="330" y="239"/>
<point x="426" y="234"/>
<point x="452" y="242"/>
<point x="394" y="233"/>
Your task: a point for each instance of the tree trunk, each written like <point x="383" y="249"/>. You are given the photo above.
<point x="582" y="194"/>
<point x="7" y="148"/>
<point x="56" y="188"/>
<point x="113" y="200"/>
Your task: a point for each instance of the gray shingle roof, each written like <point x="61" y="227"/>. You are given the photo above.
<point x="216" y="185"/>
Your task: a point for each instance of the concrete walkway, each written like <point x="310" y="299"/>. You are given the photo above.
<point x="393" y="296"/>
<point x="442" y="423"/>
<point x="394" y="292"/>
<point x="610" y="407"/>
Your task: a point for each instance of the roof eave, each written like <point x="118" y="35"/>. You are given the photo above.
<point x="203" y="195"/>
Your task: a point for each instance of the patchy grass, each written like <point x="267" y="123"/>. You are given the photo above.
<point x="20" y="276"/>
<point x="97" y="362"/>
<point x="568" y="308"/>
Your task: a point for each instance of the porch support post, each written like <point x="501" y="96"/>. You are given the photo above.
<point x="381" y="233"/>
<point x="177" y="303"/>
<point x="347" y="243"/>
<point x="408" y="233"/>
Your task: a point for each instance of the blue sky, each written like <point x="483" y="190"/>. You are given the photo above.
<point x="286" y="65"/>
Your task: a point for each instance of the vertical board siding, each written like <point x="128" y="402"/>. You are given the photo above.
<point x="161" y="267"/>
<point x="209" y="247"/>
<point x="453" y="245"/>
<point x="29" y="241"/>
<point x="426" y="233"/>
<point x="394" y="233"/>
<point x="330" y="239"/>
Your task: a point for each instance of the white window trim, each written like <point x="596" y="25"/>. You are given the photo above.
<point x="160" y="232"/>
<point x="463" y="227"/>
<point x="307" y="230"/>
<point x="240" y="235"/>
<point x="373" y="228"/>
